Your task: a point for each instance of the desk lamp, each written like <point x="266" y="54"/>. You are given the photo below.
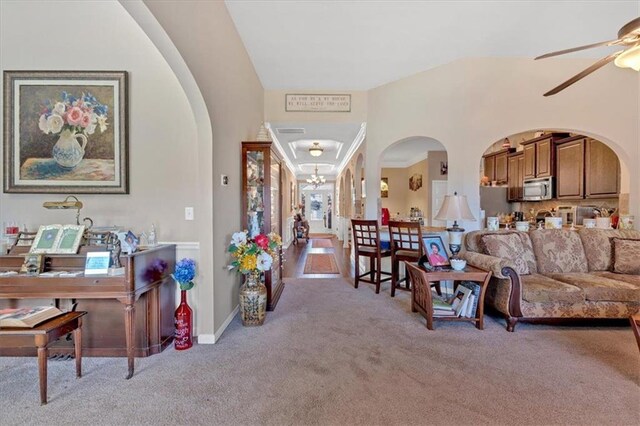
<point x="455" y="207"/>
<point x="71" y="202"/>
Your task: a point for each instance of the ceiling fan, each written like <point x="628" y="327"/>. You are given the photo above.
<point x="629" y="57"/>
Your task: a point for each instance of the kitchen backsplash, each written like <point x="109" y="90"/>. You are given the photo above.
<point x="622" y="204"/>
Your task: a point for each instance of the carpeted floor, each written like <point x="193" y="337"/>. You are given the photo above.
<point x="331" y="354"/>
<point x="321" y="263"/>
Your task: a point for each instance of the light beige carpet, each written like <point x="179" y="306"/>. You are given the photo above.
<point x="334" y="355"/>
<point x="321" y="263"/>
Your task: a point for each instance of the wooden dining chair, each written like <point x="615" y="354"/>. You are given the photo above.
<point x="406" y="245"/>
<point x="366" y="240"/>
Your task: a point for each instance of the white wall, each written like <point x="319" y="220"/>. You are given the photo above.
<point x="468" y="104"/>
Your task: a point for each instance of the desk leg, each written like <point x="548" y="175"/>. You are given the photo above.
<point x="43" y="353"/>
<point x="129" y="323"/>
<point x="77" y="345"/>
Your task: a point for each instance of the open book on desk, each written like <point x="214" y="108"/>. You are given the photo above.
<point x="27" y="317"/>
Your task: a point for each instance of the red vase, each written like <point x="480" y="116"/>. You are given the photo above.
<point x="184" y="324"/>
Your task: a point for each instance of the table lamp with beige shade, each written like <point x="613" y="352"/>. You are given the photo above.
<point x="455" y="207"/>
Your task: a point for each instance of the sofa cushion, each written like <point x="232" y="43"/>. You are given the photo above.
<point x="514" y="247"/>
<point x="626" y="256"/>
<point x="537" y="288"/>
<point x="473" y="239"/>
<point x="597" y="288"/>
<point x="558" y="250"/>
<point x="598" y="247"/>
<point x="631" y="279"/>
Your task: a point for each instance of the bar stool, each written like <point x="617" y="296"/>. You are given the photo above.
<point x="406" y="245"/>
<point x="366" y="237"/>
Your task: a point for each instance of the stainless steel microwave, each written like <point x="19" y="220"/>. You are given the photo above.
<point x="538" y="189"/>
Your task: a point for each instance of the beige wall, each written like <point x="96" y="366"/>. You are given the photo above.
<point x="205" y="36"/>
<point x="469" y="103"/>
<point x="398" y="191"/>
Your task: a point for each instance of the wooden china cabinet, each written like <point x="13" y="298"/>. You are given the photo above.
<point x="262" y="204"/>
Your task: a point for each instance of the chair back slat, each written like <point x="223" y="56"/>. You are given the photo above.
<point x="365" y="233"/>
<point x="405" y="236"/>
<point x="421" y="286"/>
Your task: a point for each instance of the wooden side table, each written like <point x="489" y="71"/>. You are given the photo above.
<point x="49" y="332"/>
<point x="422" y="302"/>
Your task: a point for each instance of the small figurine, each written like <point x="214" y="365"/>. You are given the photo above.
<point x="152" y="239"/>
<point x="115" y="253"/>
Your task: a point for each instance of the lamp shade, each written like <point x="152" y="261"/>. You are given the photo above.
<point x="630" y="58"/>
<point x="455" y="207"/>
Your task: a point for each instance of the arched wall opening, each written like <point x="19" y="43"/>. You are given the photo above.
<point x="413" y="179"/>
<point x="587" y="173"/>
<point x="348" y="194"/>
<point x="358" y="181"/>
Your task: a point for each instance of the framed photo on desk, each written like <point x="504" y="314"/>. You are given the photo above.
<point x="435" y="251"/>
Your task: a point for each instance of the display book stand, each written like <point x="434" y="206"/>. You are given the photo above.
<point x="128" y="315"/>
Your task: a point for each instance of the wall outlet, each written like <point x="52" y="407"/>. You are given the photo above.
<point x="188" y="213"/>
<point x="224" y="180"/>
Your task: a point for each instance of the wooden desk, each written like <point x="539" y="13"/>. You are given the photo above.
<point x="110" y="329"/>
<point x="424" y="304"/>
<point x="48" y="332"/>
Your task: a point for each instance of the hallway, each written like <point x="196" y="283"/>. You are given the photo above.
<point x="296" y="257"/>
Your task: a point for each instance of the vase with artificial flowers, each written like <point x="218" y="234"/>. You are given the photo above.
<point x="251" y="257"/>
<point x="183" y="275"/>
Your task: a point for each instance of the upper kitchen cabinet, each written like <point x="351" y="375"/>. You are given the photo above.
<point x="602" y="170"/>
<point x="496" y="166"/>
<point x="586" y="168"/>
<point x="539" y="155"/>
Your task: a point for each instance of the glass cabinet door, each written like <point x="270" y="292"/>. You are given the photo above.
<point x="255" y="192"/>
<point x="275" y="214"/>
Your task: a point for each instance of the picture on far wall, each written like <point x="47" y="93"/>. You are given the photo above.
<point x="384" y="187"/>
<point x="444" y="167"/>
<point x="415" y="182"/>
<point x="66" y="132"/>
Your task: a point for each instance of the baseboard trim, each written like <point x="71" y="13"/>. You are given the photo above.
<point x="226" y="323"/>
<point x="206" y="339"/>
<point x="210" y="339"/>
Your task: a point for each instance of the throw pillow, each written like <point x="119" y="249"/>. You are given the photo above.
<point x="507" y="246"/>
<point x="626" y="256"/>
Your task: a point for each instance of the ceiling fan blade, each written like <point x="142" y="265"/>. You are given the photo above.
<point x="602" y="62"/>
<point x="575" y="49"/>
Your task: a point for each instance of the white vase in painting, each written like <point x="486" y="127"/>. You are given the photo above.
<point x="67" y="151"/>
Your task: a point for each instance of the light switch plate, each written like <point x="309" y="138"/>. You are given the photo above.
<point x="188" y="213"/>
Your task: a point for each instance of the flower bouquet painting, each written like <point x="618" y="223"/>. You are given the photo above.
<point x="66" y="132"/>
<point x="251" y="257"/>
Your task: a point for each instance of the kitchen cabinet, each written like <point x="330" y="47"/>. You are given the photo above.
<point x="601" y="170"/>
<point x="570" y="168"/>
<point x="539" y="155"/>
<point x="496" y="165"/>
<point x="586" y="168"/>
<point x="516" y="176"/>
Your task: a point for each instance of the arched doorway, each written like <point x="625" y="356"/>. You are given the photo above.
<point x="584" y="174"/>
<point x="414" y="173"/>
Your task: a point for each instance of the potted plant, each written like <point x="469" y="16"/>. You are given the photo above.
<point x="251" y="257"/>
<point x="184" y="273"/>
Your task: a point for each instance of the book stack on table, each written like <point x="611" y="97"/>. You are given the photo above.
<point x="464" y="302"/>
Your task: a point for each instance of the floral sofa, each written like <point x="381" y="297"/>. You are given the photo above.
<point x="549" y="274"/>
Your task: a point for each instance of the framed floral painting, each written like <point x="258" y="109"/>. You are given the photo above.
<point x="66" y="131"/>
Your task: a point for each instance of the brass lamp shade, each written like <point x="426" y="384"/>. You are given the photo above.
<point x="71" y="202"/>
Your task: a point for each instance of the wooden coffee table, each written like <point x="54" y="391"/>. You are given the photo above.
<point x="424" y="305"/>
<point x="48" y="332"/>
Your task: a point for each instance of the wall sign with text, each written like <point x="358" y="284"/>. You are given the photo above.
<point x="317" y="103"/>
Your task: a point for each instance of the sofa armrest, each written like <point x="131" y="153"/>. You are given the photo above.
<point x="501" y="269"/>
<point x="488" y="263"/>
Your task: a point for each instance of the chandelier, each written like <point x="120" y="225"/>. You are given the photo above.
<point x="316" y="180"/>
<point x="315" y="150"/>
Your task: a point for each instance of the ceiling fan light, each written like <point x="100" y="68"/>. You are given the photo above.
<point x="630" y="58"/>
<point x="315" y="150"/>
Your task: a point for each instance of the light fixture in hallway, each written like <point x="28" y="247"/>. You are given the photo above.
<point x="316" y="180"/>
<point x="316" y="150"/>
